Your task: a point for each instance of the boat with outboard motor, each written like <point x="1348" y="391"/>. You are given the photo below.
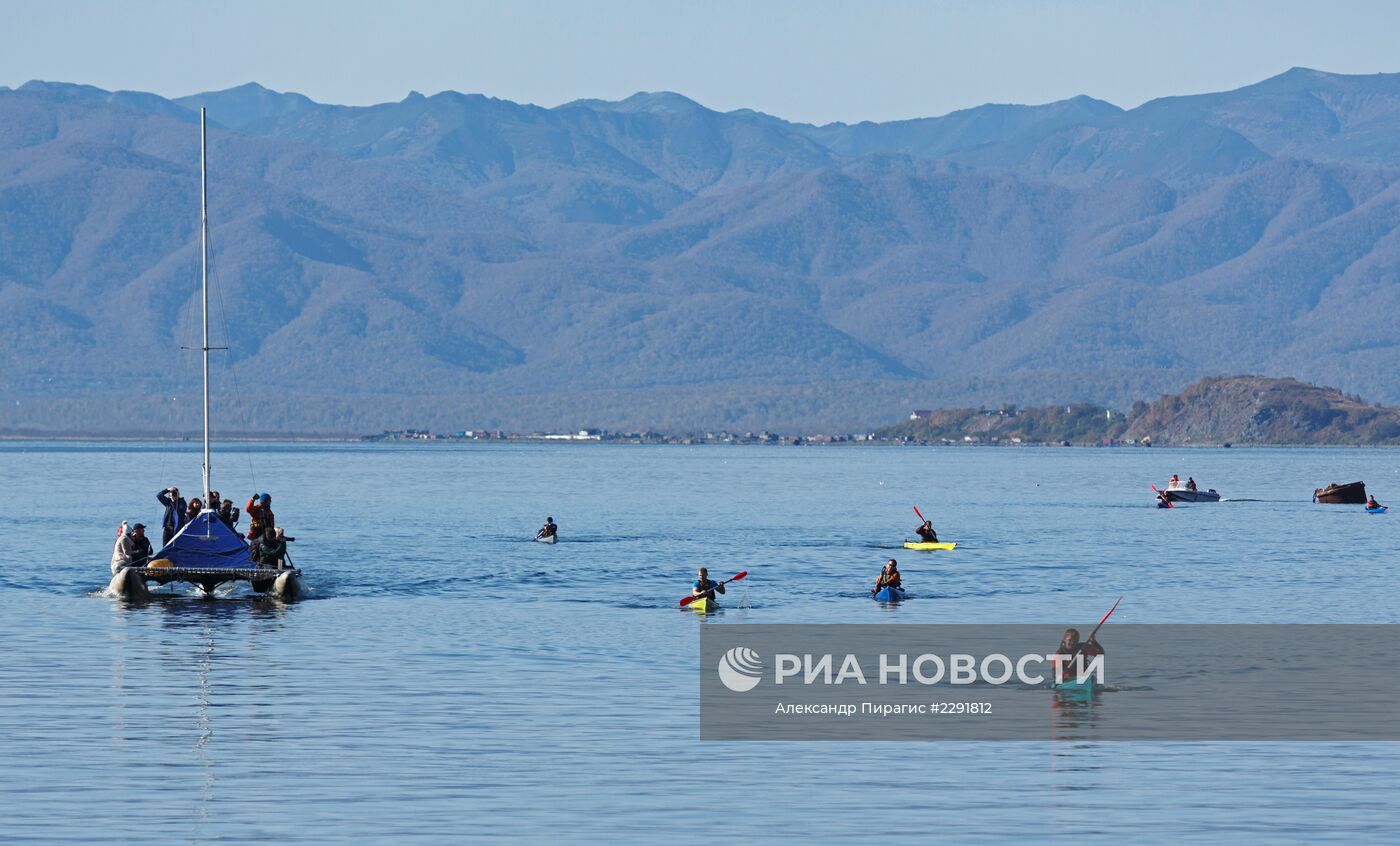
<point x="1179" y="491"/>
<point x="205" y="551"/>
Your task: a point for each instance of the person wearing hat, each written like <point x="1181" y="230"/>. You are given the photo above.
<point x="133" y="550"/>
<point x="260" y="517"/>
<point x="175" y="510"/>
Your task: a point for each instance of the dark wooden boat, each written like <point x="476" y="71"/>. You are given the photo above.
<point x="1335" y="494"/>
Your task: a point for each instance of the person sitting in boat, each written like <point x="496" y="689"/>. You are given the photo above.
<point x="889" y="577"/>
<point x="926" y="532"/>
<point x="1371" y="502"/>
<point x="704" y="586"/>
<point x="175" y="510"/>
<point x="133" y="550"/>
<point x="1163" y="501"/>
<point x="229" y="513"/>
<point x="1190" y="483"/>
<point x="548" y="530"/>
<point x="260" y="516"/>
<point x="269" y="550"/>
<point x="1174" y="482"/>
<point x="1071" y="651"/>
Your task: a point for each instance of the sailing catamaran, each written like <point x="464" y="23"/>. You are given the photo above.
<point x="205" y="551"/>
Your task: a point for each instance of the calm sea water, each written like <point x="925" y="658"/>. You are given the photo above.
<point x="450" y="680"/>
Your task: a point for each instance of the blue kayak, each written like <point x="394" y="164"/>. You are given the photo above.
<point x="889" y="594"/>
<point x="1073" y="687"/>
<point x="1380" y="509"/>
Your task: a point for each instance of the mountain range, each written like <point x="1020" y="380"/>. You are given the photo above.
<point x="459" y="261"/>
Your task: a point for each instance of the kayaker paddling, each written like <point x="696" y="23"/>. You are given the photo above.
<point x="926" y="533"/>
<point x="1371" y="502"/>
<point x="549" y="530"/>
<point x="1071" y="654"/>
<point x="705" y="587"/>
<point x="889" y="578"/>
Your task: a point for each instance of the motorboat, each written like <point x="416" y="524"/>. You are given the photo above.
<point x="1179" y="491"/>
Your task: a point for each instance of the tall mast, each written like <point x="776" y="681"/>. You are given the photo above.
<point x="204" y="283"/>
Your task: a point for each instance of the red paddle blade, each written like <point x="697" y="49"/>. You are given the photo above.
<point x="1110" y="612"/>
<point x="740" y="576"/>
<point x="687" y="600"/>
<point x="918" y="512"/>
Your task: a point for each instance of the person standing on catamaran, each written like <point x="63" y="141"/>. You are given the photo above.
<point x="260" y="517"/>
<point x="175" y="509"/>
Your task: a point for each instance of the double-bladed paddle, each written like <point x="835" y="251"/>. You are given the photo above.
<point x="689" y="599"/>
<point x="1159" y="494"/>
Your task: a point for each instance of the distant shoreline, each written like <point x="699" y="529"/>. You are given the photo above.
<point x="493" y="442"/>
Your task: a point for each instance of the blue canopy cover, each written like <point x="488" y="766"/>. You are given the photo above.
<point x="206" y="543"/>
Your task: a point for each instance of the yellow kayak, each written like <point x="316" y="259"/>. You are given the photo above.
<point x="920" y="545"/>
<point x="703" y="606"/>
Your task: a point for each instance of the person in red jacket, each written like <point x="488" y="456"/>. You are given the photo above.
<point x="260" y="518"/>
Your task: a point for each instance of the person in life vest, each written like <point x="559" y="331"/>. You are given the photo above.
<point x="548" y="530"/>
<point x="1371" y="502"/>
<point x="1174" y="482"/>
<point x="704" y="586"/>
<point x="260" y="517"/>
<point x="1163" y="501"/>
<point x="175" y="510"/>
<point x="889" y="577"/>
<point x="926" y="532"/>
<point x="1070" y="655"/>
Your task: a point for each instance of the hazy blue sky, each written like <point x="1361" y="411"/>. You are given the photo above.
<point x="814" y="61"/>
